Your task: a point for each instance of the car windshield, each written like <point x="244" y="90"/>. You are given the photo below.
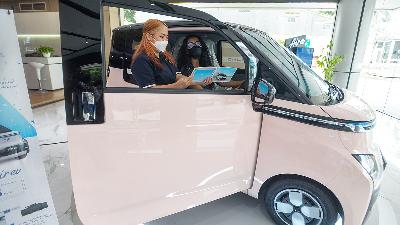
<point x="317" y="90"/>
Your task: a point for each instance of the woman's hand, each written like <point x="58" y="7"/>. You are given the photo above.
<point x="179" y="75"/>
<point x="184" y="82"/>
<point x="207" y="82"/>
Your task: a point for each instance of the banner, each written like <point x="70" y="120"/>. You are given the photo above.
<point x="25" y="197"/>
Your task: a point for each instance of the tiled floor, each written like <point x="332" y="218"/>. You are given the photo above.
<point x="237" y="209"/>
<point x="50" y="120"/>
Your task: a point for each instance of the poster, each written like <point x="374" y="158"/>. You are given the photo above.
<point x="25" y="197"/>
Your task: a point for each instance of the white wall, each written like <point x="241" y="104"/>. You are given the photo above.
<point x="36" y="29"/>
<point x="37" y="23"/>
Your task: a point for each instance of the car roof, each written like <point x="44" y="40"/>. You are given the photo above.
<point x="170" y="24"/>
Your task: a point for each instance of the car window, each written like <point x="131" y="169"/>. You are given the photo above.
<point x="231" y="57"/>
<point x="317" y="90"/>
<point x="126" y="38"/>
<point x="176" y="41"/>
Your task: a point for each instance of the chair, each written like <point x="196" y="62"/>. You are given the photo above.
<point x="38" y="66"/>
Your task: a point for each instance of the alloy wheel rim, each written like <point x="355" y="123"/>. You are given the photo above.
<point x="297" y="207"/>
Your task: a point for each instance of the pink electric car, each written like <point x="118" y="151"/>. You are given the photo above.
<point x="141" y="154"/>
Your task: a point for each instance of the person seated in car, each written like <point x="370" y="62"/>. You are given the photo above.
<point x="152" y="65"/>
<point x="194" y="53"/>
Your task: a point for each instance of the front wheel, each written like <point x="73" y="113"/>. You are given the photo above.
<point x="298" y="202"/>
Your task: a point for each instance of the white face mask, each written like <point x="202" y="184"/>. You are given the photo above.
<point x="161" y="45"/>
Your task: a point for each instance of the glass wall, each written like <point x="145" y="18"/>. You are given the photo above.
<point x="281" y="21"/>
<point x="380" y="78"/>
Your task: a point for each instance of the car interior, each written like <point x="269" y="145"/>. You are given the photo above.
<point x="125" y="39"/>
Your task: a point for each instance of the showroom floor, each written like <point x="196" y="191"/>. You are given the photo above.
<point x="233" y="210"/>
<point x="40" y="99"/>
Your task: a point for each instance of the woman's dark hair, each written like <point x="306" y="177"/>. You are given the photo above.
<point x="184" y="57"/>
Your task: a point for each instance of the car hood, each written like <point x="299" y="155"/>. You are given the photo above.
<point x="351" y="108"/>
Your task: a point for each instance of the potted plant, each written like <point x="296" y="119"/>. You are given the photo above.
<point x="327" y="62"/>
<point x="45" y="51"/>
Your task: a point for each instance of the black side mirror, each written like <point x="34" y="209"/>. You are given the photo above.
<point x="262" y="93"/>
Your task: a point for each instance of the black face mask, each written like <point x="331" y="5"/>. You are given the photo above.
<point x="195" y="52"/>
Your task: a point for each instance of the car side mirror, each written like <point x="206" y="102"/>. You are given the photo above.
<point x="262" y="93"/>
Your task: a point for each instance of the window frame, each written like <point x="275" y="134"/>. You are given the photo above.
<point x="217" y="29"/>
<point x="281" y="75"/>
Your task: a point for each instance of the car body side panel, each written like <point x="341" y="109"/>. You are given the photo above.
<point x="158" y="154"/>
<point x="289" y="147"/>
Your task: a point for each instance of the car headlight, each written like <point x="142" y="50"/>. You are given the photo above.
<point x="373" y="165"/>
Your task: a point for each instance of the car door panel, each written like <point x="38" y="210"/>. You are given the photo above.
<point x="157" y="154"/>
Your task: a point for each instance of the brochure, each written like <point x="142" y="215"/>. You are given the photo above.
<point x="25" y="197"/>
<point x="218" y="74"/>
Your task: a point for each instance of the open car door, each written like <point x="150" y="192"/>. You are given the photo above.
<point x="140" y="154"/>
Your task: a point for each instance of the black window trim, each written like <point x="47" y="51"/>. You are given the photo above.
<point x="217" y="29"/>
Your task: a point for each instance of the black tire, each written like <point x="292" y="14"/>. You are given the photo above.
<point x="327" y="204"/>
